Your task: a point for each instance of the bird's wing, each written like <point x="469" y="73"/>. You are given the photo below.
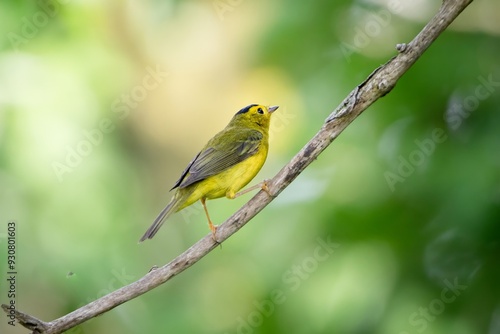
<point x="216" y="158"/>
<point x="184" y="172"/>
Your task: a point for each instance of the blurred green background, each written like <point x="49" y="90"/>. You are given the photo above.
<point x="394" y="229"/>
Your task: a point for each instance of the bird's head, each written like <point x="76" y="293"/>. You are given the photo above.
<point x="254" y="115"/>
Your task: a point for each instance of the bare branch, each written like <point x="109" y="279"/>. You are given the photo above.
<point x="379" y="82"/>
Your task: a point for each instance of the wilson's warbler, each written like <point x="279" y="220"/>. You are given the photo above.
<point x="227" y="163"/>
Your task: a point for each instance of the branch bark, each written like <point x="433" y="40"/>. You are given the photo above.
<point x="380" y="82"/>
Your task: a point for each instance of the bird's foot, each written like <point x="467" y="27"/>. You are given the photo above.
<point x="213" y="228"/>
<point x="264" y="185"/>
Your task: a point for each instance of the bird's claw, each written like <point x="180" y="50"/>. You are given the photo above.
<point x="264" y="186"/>
<point x="213" y="228"/>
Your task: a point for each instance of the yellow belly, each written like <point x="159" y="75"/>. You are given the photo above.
<point x="228" y="182"/>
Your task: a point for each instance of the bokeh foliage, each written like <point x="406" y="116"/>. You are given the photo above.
<point x="394" y="229"/>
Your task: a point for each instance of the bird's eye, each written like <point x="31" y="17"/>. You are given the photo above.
<point x="260" y="111"/>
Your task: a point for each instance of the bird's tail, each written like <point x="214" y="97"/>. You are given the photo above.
<point x="164" y="214"/>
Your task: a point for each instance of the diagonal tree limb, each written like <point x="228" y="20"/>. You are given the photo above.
<point x="379" y="83"/>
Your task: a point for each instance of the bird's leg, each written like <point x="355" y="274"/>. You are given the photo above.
<point x="262" y="185"/>
<point x="211" y="226"/>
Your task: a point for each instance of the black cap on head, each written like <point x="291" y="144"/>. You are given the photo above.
<point x="244" y="110"/>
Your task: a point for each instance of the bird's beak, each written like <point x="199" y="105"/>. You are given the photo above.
<point x="271" y="109"/>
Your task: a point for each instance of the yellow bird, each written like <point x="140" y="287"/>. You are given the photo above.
<point x="227" y="163"/>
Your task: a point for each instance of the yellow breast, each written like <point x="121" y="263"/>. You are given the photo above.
<point x="226" y="183"/>
<point x="235" y="178"/>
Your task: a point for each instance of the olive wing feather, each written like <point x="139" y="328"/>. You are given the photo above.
<point x="220" y="155"/>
